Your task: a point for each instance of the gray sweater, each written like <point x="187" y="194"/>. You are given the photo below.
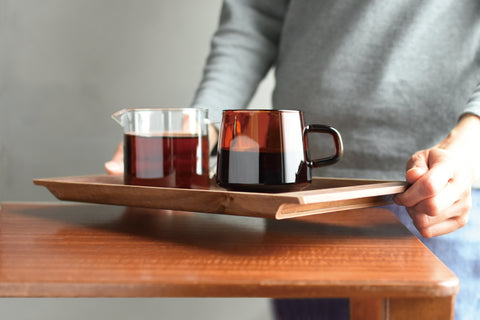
<point x="392" y="76"/>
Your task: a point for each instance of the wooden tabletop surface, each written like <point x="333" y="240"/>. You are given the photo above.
<point x="71" y="250"/>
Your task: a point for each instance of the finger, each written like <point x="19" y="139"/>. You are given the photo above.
<point x="444" y="227"/>
<point x="115" y="166"/>
<point x="417" y="166"/>
<point x="432" y="225"/>
<point x="415" y="173"/>
<point x="429" y="185"/>
<point x="437" y="205"/>
<point x="118" y="155"/>
<point x="212" y="137"/>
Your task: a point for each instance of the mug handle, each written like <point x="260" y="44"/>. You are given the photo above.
<point x="320" y="128"/>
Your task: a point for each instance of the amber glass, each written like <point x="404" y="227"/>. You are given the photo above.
<point x="267" y="150"/>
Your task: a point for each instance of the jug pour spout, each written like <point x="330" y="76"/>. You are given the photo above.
<point x="119" y="117"/>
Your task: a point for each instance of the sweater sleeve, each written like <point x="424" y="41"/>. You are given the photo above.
<point x="243" y="49"/>
<point x="473" y="104"/>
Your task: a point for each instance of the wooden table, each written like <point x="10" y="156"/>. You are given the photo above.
<point x="80" y="250"/>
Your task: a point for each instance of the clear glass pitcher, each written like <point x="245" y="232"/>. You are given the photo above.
<point x="151" y="121"/>
<point x="165" y="147"/>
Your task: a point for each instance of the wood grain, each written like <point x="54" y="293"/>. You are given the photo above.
<point x="152" y="252"/>
<point x="427" y="308"/>
<point x="323" y="195"/>
<point x="82" y="250"/>
<point x="363" y="308"/>
<point x="402" y="308"/>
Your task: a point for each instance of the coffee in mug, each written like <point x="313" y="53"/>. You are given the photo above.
<point x="267" y="150"/>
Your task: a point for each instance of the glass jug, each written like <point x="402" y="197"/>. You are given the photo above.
<point x="165" y="147"/>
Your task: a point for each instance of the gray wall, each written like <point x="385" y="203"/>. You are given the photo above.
<point x="65" y="67"/>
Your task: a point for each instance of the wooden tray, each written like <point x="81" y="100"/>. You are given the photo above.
<point x="323" y="195"/>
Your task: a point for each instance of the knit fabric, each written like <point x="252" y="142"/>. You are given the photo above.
<point x="392" y="76"/>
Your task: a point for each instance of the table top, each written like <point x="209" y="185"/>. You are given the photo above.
<point x="73" y="250"/>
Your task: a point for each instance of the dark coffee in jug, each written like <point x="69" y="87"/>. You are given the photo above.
<point x="166" y="160"/>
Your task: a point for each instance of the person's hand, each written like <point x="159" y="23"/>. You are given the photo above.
<point x="441" y="178"/>
<point x="439" y="198"/>
<point x="115" y="166"/>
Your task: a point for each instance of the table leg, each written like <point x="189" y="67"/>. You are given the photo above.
<point x="402" y="308"/>
<point x="367" y="308"/>
<point x="421" y="308"/>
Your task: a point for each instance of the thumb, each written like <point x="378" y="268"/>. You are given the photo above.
<point x="416" y="167"/>
<point x="415" y="173"/>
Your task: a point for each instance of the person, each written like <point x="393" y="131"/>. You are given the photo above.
<point x="398" y="79"/>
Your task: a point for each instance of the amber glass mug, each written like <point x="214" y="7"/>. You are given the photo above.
<point x="267" y="150"/>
